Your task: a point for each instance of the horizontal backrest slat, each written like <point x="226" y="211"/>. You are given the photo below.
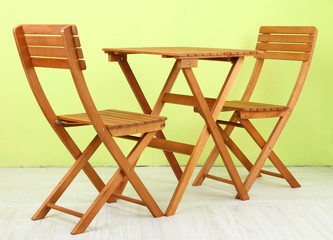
<point x="47" y="52"/>
<point x="49" y="41"/>
<point x="50" y="62"/>
<point x="51" y="29"/>
<point x="287" y="30"/>
<point x="284" y="47"/>
<point x="285" y="38"/>
<point x="284" y="56"/>
<point x="44" y="40"/>
<point x="55" y="63"/>
<point x="52" y="52"/>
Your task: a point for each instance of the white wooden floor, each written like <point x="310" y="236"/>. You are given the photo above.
<point x="275" y="211"/>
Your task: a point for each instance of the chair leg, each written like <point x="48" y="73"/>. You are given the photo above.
<point x="272" y="156"/>
<point x="266" y="150"/>
<point x="98" y="203"/>
<point x="214" y="154"/>
<point x="111" y="186"/>
<point x="75" y="152"/>
<point x="235" y="150"/>
<point x="206" y="167"/>
<point x="67" y="179"/>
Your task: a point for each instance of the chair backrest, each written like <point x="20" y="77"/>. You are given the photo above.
<point x="45" y="45"/>
<point x="284" y="43"/>
<point x="54" y="46"/>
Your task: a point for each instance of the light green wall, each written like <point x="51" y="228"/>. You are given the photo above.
<point x="26" y="139"/>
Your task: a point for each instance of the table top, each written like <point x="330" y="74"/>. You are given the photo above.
<point x="185" y="52"/>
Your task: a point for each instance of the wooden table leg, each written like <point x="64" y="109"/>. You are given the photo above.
<point x="183" y="182"/>
<point x="156" y="111"/>
<point x="214" y="131"/>
<point x="122" y="60"/>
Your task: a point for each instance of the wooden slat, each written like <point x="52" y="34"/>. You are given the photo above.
<point x="284" y="56"/>
<point x="229" y="123"/>
<point x="129" y="199"/>
<point x="279" y="175"/>
<point x="44" y="40"/>
<point x="218" y="179"/>
<point x="138" y="129"/>
<point x="47" y="52"/>
<point x="50" y="63"/>
<point x="288" y="29"/>
<point x="49" y="41"/>
<point x="65" y="210"/>
<point x="166" y="145"/>
<point x="51" y="29"/>
<point x="265" y="114"/>
<point x="285" y="38"/>
<point x="252" y="106"/>
<point x="284" y="47"/>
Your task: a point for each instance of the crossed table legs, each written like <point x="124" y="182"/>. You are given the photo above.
<point x="209" y="115"/>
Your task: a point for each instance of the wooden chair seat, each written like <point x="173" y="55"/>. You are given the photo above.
<point x="118" y="122"/>
<point x="247" y="110"/>
<point x="251" y="106"/>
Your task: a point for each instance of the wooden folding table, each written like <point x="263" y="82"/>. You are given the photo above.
<point x="209" y="108"/>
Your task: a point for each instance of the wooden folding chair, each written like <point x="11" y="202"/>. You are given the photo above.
<point x="283" y="43"/>
<point x="57" y="46"/>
